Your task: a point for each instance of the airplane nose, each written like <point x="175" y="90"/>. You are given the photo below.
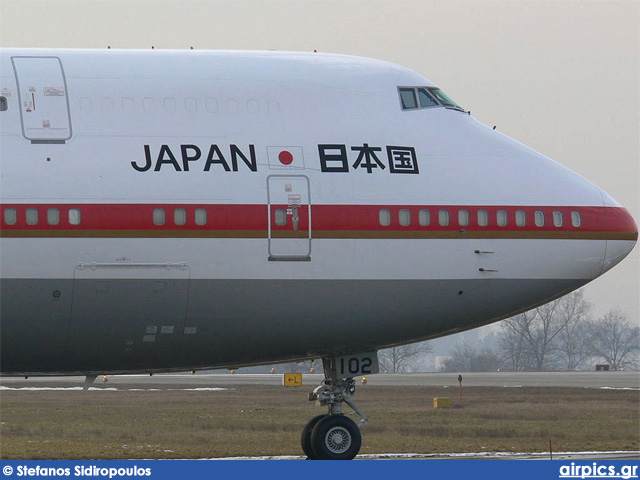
<point x="622" y="232"/>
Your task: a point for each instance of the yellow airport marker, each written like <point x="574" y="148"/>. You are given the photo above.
<point x="292" y="379"/>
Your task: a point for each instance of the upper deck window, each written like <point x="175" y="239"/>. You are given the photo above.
<point x="425" y="97"/>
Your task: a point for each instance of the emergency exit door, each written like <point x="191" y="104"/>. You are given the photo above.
<point x="44" y="102"/>
<point x="289" y="218"/>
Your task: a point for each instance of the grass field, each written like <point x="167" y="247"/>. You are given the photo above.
<point x="268" y="420"/>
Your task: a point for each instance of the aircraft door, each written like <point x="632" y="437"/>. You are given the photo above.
<point x="289" y="218"/>
<point x="44" y="104"/>
<point x="127" y="314"/>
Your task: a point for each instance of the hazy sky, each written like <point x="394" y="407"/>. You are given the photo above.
<point x="562" y="77"/>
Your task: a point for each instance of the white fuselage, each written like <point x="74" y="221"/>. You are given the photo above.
<point x="171" y="210"/>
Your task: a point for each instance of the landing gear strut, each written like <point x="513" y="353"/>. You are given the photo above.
<point x="333" y="436"/>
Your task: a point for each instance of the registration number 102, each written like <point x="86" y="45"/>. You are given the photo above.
<point x="353" y="365"/>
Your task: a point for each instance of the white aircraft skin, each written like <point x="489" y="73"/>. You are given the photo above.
<point x="172" y="210"/>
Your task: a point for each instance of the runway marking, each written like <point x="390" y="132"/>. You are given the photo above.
<point x="619" y="388"/>
<point x="454" y="456"/>
<point x="112" y="389"/>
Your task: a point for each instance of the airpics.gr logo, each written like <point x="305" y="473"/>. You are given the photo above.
<point x="598" y="471"/>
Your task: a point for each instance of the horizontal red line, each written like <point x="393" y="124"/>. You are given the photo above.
<point x="348" y="219"/>
<point x="323" y="234"/>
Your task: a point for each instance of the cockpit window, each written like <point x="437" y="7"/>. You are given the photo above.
<point x="425" y="97"/>
<point x="408" y="97"/>
<point x="426" y="100"/>
<point x="443" y="99"/>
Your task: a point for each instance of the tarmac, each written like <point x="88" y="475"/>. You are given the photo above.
<point x="595" y="379"/>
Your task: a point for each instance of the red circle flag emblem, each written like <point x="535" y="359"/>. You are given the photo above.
<point x="285" y="157"/>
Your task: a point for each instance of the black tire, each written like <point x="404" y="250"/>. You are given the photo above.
<point x="305" y="439"/>
<point x="336" y="437"/>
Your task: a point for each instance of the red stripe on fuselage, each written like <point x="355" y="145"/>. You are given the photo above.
<point x="341" y="219"/>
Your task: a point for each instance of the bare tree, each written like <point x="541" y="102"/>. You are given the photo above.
<point x="512" y="345"/>
<point x="465" y="358"/>
<point x="399" y="359"/>
<point x="615" y="339"/>
<point x="536" y="330"/>
<point x="304" y="366"/>
<point x="461" y="358"/>
<point x="573" y="340"/>
<point x="533" y="340"/>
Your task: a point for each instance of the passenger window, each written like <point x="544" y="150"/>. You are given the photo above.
<point x="385" y="217"/>
<point x="463" y="218"/>
<point x="502" y="218"/>
<point x="74" y="216"/>
<point x="483" y="218"/>
<point x="32" y="216"/>
<point x="280" y="217"/>
<point x="539" y="218"/>
<point x="426" y="100"/>
<point x="576" y="219"/>
<point x="10" y="216"/>
<point x="408" y="98"/>
<point x="201" y="216"/>
<point x="557" y="219"/>
<point x="404" y="217"/>
<point x="521" y="218"/>
<point x="443" y="218"/>
<point x="158" y="216"/>
<point x="53" y="216"/>
<point x="179" y="216"/>
<point x="424" y="218"/>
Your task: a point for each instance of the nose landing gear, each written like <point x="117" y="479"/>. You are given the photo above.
<point x="333" y="436"/>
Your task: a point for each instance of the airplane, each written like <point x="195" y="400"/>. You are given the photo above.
<point x="182" y="210"/>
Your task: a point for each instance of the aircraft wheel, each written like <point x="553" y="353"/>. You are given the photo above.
<point x="305" y="439"/>
<point x="336" y="437"/>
